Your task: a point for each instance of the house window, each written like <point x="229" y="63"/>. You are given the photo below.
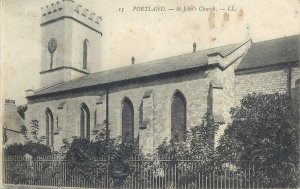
<point x="178" y="116"/>
<point x="49" y="128"/>
<point x="127" y="119"/>
<point x="84" y="122"/>
<point x="85" y="54"/>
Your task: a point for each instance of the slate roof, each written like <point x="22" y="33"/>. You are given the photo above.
<point x="260" y="54"/>
<point x="266" y="53"/>
<point x="166" y="65"/>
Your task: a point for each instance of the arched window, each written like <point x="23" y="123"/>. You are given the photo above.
<point x="85" y="54"/>
<point x="127" y="119"/>
<point x="49" y="128"/>
<point x="178" y="116"/>
<point x="84" y="122"/>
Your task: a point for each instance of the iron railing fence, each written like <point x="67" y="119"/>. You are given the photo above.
<point x="147" y="174"/>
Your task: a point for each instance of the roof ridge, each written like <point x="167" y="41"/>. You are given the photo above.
<point x="169" y="64"/>
<point x="271" y="52"/>
<point x="152" y="61"/>
<point x="277" y="39"/>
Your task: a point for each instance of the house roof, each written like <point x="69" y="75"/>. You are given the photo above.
<point x="266" y="53"/>
<point x="12" y="119"/>
<point x="166" y="65"/>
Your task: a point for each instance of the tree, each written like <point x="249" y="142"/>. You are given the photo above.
<point x="21" y="109"/>
<point x="264" y="133"/>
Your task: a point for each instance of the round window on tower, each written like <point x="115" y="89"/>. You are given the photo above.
<point x="52" y="45"/>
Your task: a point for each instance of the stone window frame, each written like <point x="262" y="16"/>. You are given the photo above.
<point x="127" y="99"/>
<point x="49" y="120"/>
<point x="85" y="120"/>
<point x="177" y="91"/>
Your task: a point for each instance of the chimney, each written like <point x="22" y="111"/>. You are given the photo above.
<point x="8" y="101"/>
<point x="194" y="47"/>
<point x="132" y="60"/>
<point x="29" y="92"/>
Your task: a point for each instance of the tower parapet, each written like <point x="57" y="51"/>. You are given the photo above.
<point x="70" y="42"/>
<point x="69" y="9"/>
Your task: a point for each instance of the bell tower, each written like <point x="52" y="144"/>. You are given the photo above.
<point x="70" y="42"/>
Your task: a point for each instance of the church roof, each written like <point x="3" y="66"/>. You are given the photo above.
<point x="260" y="54"/>
<point x="161" y="66"/>
<point x="271" y="52"/>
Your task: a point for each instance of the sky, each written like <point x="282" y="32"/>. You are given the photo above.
<point x="145" y="35"/>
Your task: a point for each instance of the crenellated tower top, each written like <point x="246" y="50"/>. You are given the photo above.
<point x="69" y="9"/>
<point x="70" y="42"/>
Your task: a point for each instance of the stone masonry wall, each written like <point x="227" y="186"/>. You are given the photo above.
<point x="194" y="87"/>
<point x="295" y="76"/>
<point x="66" y="119"/>
<point x="223" y="95"/>
<point x="265" y="82"/>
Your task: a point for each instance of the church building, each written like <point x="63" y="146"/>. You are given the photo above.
<point x="147" y="101"/>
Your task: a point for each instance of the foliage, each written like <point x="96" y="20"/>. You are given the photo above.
<point x="87" y="158"/>
<point x="264" y="134"/>
<point x="198" y="143"/>
<point x="21" y="109"/>
<point x="24" y="132"/>
<point x="35" y="131"/>
<point x="32" y="146"/>
<point x="14" y="149"/>
<point x="33" y="149"/>
<point x="202" y="140"/>
<point x="20" y="172"/>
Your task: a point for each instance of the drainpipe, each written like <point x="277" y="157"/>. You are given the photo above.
<point x="289" y="80"/>
<point x="107" y="112"/>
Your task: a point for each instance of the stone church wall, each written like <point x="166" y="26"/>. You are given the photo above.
<point x="295" y="76"/>
<point x="66" y="117"/>
<point x="270" y="81"/>
<point x="222" y="96"/>
<point x="194" y="87"/>
<point x="265" y="82"/>
<point x="66" y="107"/>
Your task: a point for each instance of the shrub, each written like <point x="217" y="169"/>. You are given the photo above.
<point x="25" y="153"/>
<point x="264" y="133"/>
<point x="33" y="149"/>
<point x="199" y="143"/>
<point x="32" y="146"/>
<point x="91" y="160"/>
